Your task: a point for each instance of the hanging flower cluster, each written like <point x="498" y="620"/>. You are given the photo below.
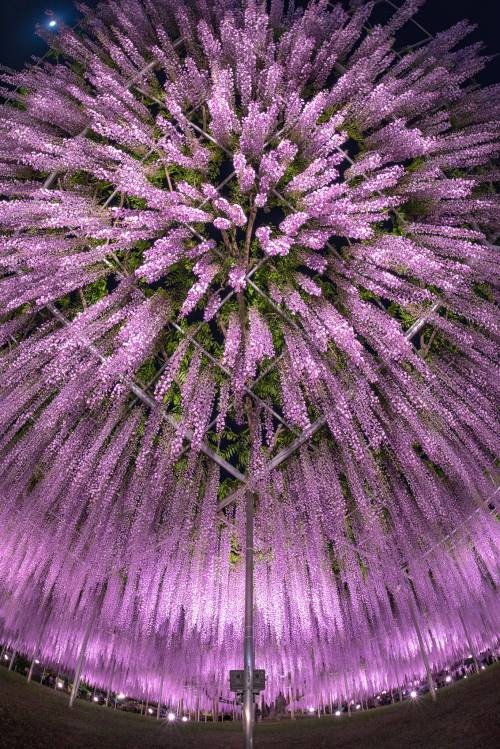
<point x="230" y="236"/>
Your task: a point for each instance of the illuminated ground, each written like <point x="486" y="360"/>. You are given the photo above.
<point x="467" y="716"/>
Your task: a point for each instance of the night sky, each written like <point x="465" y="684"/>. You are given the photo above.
<point x="18" y="18"/>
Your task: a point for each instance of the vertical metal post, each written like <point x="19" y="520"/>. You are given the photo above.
<point x="423" y="651"/>
<point x="248" y="648"/>
<point x="469" y="642"/>
<point x="12" y="659"/>
<point x="79" y="664"/>
<point x="30" y="672"/>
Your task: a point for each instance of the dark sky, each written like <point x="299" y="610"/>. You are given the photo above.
<point x="18" y="18"/>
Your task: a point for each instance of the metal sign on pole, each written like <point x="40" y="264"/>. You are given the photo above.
<point x="248" y="647"/>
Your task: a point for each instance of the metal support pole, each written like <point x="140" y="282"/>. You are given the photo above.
<point x="79" y="664"/>
<point x="432" y="688"/>
<point x="248" y="652"/>
<point x="30" y="672"/>
<point x="469" y="642"/>
<point x="12" y="659"/>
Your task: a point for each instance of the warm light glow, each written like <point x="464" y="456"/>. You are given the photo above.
<point x="311" y="709"/>
<point x="358" y="707"/>
<point x="150" y="710"/>
<point x="185" y="718"/>
<point x="337" y="712"/>
<point x="36" y="660"/>
<point x="413" y="694"/>
<point x="60" y="684"/>
<point x="6" y="657"/>
<point x="448" y="679"/>
<point x="483" y="668"/>
<point x="171" y="716"/>
<point x="96" y="698"/>
<point x="120" y="696"/>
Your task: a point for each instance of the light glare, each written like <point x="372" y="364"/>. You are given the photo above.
<point x="171" y="717"/>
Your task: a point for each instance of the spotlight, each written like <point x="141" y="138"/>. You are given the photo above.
<point x="36" y="660"/>
<point x="52" y="23"/>
<point x="185" y="718"/>
<point x="465" y="676"/>
<point x="413" y="694"/>
<point x="6" y="657"/>
<point x="448" y="679"/>
<point x="311" y="709"/>
<point x="150" y="710"/>
<point x="60" y="684"/>
<point x="358" y="707"/>
<point x="483" y="668"/>
<point x="96" y="698"/>
<point x="337" y="712"/>
<point x="171" y="717"/>
<point x="120" y="696"/>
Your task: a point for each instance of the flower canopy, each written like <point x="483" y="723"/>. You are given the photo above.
<point x="248" y="250"/>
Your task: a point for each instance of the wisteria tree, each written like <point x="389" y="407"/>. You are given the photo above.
<point x="248" y="251"/>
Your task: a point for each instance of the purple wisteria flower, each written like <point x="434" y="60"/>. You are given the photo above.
<point x="248" y="249"/>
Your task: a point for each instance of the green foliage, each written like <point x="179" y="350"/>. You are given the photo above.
<point x="328" y="114"/>
<point x="296" y="167"/>
<point x="416" y="208"/>
<point x="353" y="131"/>
<point x="484" y="290"/>
<point x="235" y="553"/>
<point x="404" y="315"/>
<point x="415" y="164"/>
<point x="268" y="388"/>
<point x="147" y="371"/>
<point x="95" y="291"/>
<point x="434" y="467"/>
